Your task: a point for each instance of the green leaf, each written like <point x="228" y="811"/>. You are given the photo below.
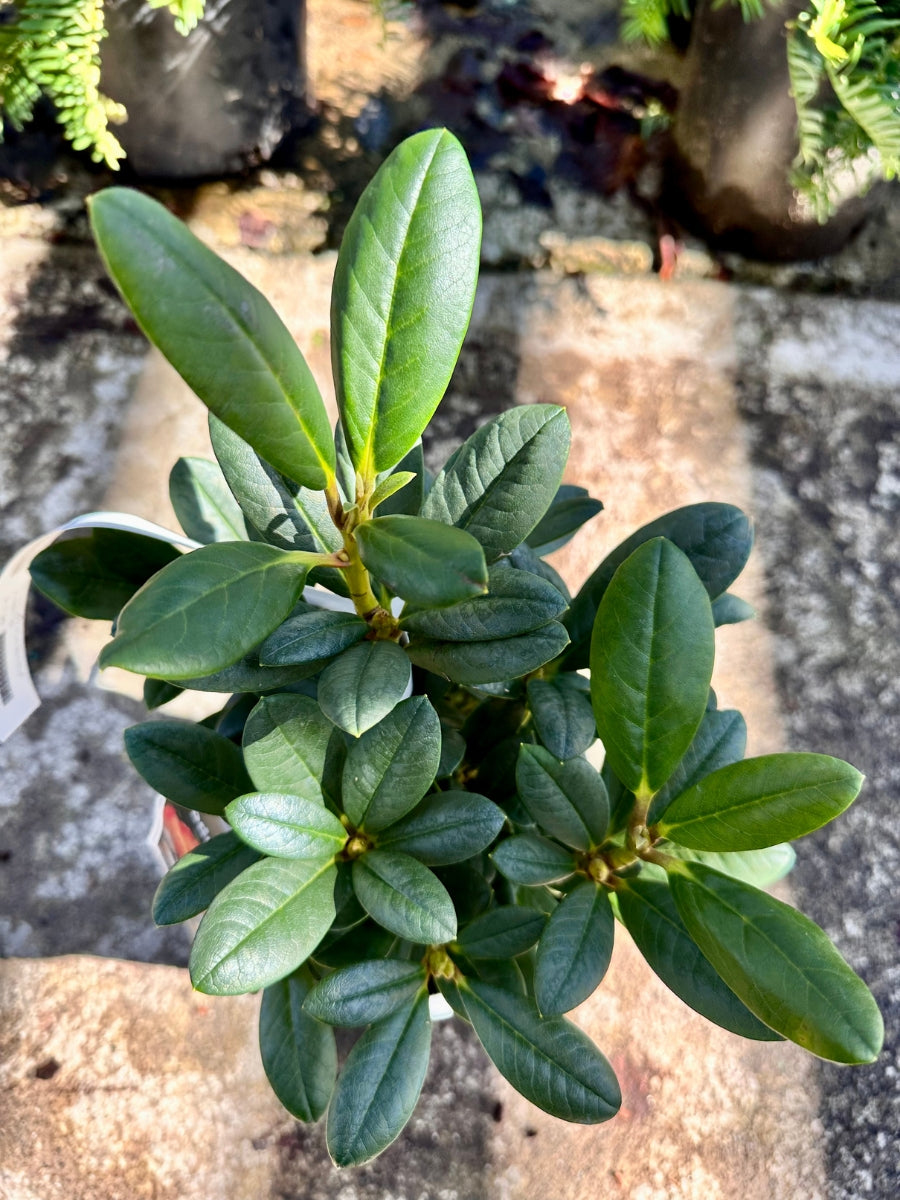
<point x="220" y="334"/>
<point x="502" y="932"/>
<point x="188" y="764"/>
<point x="96" y="576"/>
<point x="363" y="684"/>
<point x="203" y="503"/>
<point x="299" y="1054"/>
<point x="720" y="740"/>
<point x="761" y="801"/>
<point x="780" y="964"/>
<point x="731" y="610"/>
<point x="246" y="675"/>
<point x="191" y="885"/>
<point x="402" y="297"/>
<point x="571" y="508"/>
<point x="761" y="868"/>
<point x="408" y="501"/>
<point x="575" y="948"/>
<point x="490" y="661"/>
<point x="425" y="562"/>
<point x="286" y="826"/>
<point x="517" y="603"/>
<point x="447" y="827"/>
<point x="312" y="636"/>
<point x="389" y="486"/>
<point x="562" y="712"/>
<point x="531" y="860"/>
<point x="286" y="741"/>
<point x="363" y="942"/>
<point x="567" y="799"/>
<point x="405" y="897"/>
<point x="365" y="992"/>
<point x="378" y="1088"/>
<point x="651" y="662"/>
<point x="392" y="765"/>
<point x="551" y="1062"/>
<point x="649" y="914"/>
<point x="502" y="480"/>
<point x="263" y="925"/>
<point x="173" y="628"/>
<point x="453" y="747"/>
<point x="717" y="538"/>
<point x="157" y="693"/>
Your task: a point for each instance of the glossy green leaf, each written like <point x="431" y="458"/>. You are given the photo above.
<point x="502" y="480"/>
<point x="761" y="801"/>
<point x="408" y="500"/>
<point x="378" y="1088"/>
<point x="299" y="1054"/>
<point x="365" y="992"/>
<point x="425" y="562"/>
<point x="174" y="627"/>
<point x="220" y="334"/>
<point x="550" y="1061"/>
<point x="717" y="538"/>
<point x="157" y="693"/>
<point x="566" y="799"/>
<point x="389" y="486"/>
<point x="248" y="676"/>
<point x="731" y="610"/>
<point x="286" y="742"/>
<point x="523" y="558"/>
<point x="363" y="684"/>
<point x="649" y="914"/>
<point x="263" y="925"/>
<point x="517" y="603"/>
<point x="286" y="826"/>
<point x="575" y="948"/>
<point x="402" y="297"/>
<point x="453" y="747"/>
<point x="312" y="636"/>
<point x="95" y="576"/>
<point x="651" y="661"/>
<point x="392" y="765"/>
<point x="761" y="868"/>
<point x="405" y="897"/>
<point x="562" y="712"/>
<point x="191" y="885"/>
<point x="205" y="508"/>
<point x="447" y="827"/>
<point x="780" y="964"/>
<point x="188" y="764"/>
<point x="720" y="740"/>
<point x="530" y="860"/>
<point x="571" y="508"/>
<point x="502" y="932"/>
<point x="491" y="661"/>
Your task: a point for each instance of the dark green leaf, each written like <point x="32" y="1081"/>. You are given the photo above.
<point x="562" y="713"/>
<point x="720" y="740"/>
<point x="491" y="661"/>
<point x="447" y="827"/>
<point x="523" y="558"/>
<point x="298" y="1053"/>
<point x="516" y="603"/>
<point x="469" y="889"/>
<point x="312" y="636"/>
<point x="157" y="693"/>
<point x="286" y="826"/>
<point x="405" y="897"/>
<point x="378" y="1088"/>
<point x="365" y="941"/>
<point x="567" y="799"/>
<point x="571" y="508"/>
<point x="502" y="932"/>
<point x="731" y="610"/>
<point x="453" y="747"/>
<point x="188" y="764"/>
<point x="761" y="801"/>
<point x="363" y="684"/>
<point x="651" y="661"/>
<point x="551" y="1062"/>
<point x="502" y="480"/>
<point x="574" y="950"/>
<point x="191" y="885"/>
<point x="402" y="297"/>
<point x="365" y="992"/>
<point x="425" y="562"/>
<point x="780" y="964"/>
<point x="530" y="860"/>
<point x="247" y="676"/>
<point x="203" y="504"/>
<point x="220" y="334"/>
<point x="761" y="868"/>
<point x="286" y="742"/>
<point x="263" y="925"/>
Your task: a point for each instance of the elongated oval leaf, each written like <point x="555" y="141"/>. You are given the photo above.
<point x="720" y="740"/>
<point x="286" y="741"/>
<point x="402" y="297"/>
<point x="286" y="826"/>
<point x="313" y="636"/>
<point x="575" y="948"/>
<point x="562" y="712"/>
<point x="517" y="602"/>
<point x="191" y="885"/>
<point x="363" y="684"/>
<point x="365" y="992"/>
<point x="203" y="503"/>
<point x="530" y="860"/>
<point x="425" y="562"/>
<point x="405" y="897"/>
<point x="188" y="764"/>
<point x="263" y="925"/>
<point x="652" y="656"/>
<point x="502" y="480"/>
<point x="550" y="1061"/>
<point x="299" y="1054"/>
<point x="490" y="661"/>
<point x="761" y="801"/>
<point x="408" y="500"/>
<point x="780" y="964"/>
<point x="567" y="799"/>
<point x="447" y="827"/>
<point x="761" y="868"/>
<point x="220" y="334"/>
<point x="728" y="609"/>
<point x="502" y="932"/>
<point x="378" y="1088"/>
<point x="571" y="508"/>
